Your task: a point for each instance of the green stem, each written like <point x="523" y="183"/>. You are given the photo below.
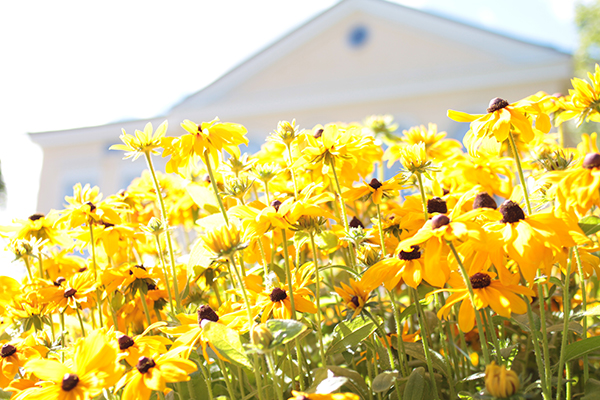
<point x="226" y="377"/>
<point x="207" y="379"/>
<point x="165" y="221"/>
<point x="165" y="272"/>
<point x="26" y="259"/>
<point x="399" y="330"/>
<point x="491" y="329"/>
<point x="80" y="320"/>
<point x="546" y="391"/>
<point x="95" y="265"/>
<point x="586" y="367"/>
<point x="565" y="331"/>
<point x="515" y="152"/>
<point x="145" y="307"/>
<point x="288" y="273"/>
<point x="423" y="197"/>
<point x="62" y="336"/>
<point x="41" y="264"/>
<point x="343" y="210"/>
<point x="425" y="337"/>
<point x="380" y="226"/>
<point x="289" y="149"/>
<point x="545" y="348"/>
<point x="467" y="280"/>
<point x="271" y="365"/>
<point x="318" y="298"/>
<point x="213" y="182"/>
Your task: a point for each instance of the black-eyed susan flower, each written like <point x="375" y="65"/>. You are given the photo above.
<point x="579" y="188"/>
<point x="407" y="266"/>
<point x="355" y="296"/>
<point x="207" y="138"/>
<point x="92" y="368"/>
<point x="501" y="118"/>
<point x="316" y="396"/>
<point x="375" y="190"/>
<point x="489" y="292"/>
<point x="153" y="372"/>
<point x="501" y="382"/>
<point x="584" y="99"/>
<point x="131" y="348"/>
<point x="144" y="142"/>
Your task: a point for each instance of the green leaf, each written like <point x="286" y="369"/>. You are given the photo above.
<point x="200" y="258"/>
<point x="590" y="224"/>
<point x="330" y="384"/>
<point x="203" y="197"/>
<point x="416" y="350"/>
<point x="383" y="381"/>
<point x="227" y="342"/>
<point x="355" y="382"/>
<point x="284" y="330"/>
<point x="573" y="326"/>
<point x="349" y="334"/>
<point x="592" y="390"/>
<point x="415" y="386"/>
<point x="581" y="348"/>
<point x="345" y="268"/>
<point x="326" y="240"/>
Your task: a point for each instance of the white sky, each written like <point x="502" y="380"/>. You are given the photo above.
<point x="67" y="64"/>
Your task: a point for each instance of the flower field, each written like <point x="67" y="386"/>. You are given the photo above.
<point x="345" y="262"/>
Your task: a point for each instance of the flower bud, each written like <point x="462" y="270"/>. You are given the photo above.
<point x="500" y="382"/>
<point x="261" y="336"/>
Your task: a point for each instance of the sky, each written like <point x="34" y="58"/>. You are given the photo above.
<point x="69" y="64"/>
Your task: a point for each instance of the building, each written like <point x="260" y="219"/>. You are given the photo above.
<point x="360" y="57"/>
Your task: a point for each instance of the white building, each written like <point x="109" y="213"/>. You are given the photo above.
<point x="360" y="57"/>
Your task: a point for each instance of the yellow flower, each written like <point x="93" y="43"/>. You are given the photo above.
<point x="207" y="138"/>
<point x="375" y="190"/>
<point x="153" y="373"/>
<point x="412" y="157"/>
<point x="500" y="119"/>
<point x="407" y="266"/>
<point x="355" y="296"/>
<point x="316" y="396"/>
<point x="500" y="382"/>
<point x="584" y="100"/>
<point x="132" y="348"/>
<point x="94" y="367"/>
<point x="144" y="142"/>
<point x="223" y="240"/>
<point x="579" y="188"/>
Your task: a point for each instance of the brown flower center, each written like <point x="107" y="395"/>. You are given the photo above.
<point x="480" y="280"/>
<point x="69" y="293"/>
<point x="375" y="184"/>
<point x="144" y="364"/>
<point x="35" y="217"/>
<point x="439" y="220"/>
<point x="355" y="223"/>
<point x="591" y="161"/>
<point x="59" y="281"/>
<point x="496" y="104"/>
<point x="484" y="200"/>
<point x="410" y="255"/>
<point x="318" y="133"/>
<point x="437" y="205"/>
<point x="125" y="342"/>
<point x="206" y="312"/>
<point x="278" y="294"/>
<point x="511" y="212"/>
<point x="354" y="300"/>
<point x="275" y="204"/>
<point x="92" y="206"/>
<point x="7" y="350"/>
<point x="69" y="382"/>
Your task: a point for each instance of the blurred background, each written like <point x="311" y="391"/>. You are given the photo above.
<point x="74" y="73"/>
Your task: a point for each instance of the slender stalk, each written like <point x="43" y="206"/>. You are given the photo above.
<point x="380" y="226"/>
<point x="226" y="377"/>
<point x="95" y="268"/>
<point x="584" y="322"/>
<point x="545" y="348"/>
<point x="165" y="271"/>
<point x="145" y="307"/>
<point x="80" y="320"/>
<point x="207" y="379"/>
<point x="62" y="336"/>
<point x="250" y="321"/>
<point x="289" y="149"/>
<point x="565" y="331"/>
<point x="491" y="329"/>
<point x="263" y="256"/>
<point x="546" y="390"/>
<point x="399" y="330"/>
<point x="41" y="264"/>
<point x="213" y="182"/>
<point x="343" y="210"/>
<point x="26" y="259"/>
<point x="271" y="365"/>
<point x="425" y="337"/>
<point x="517" y="159"/>
<point x="165" y="221"/>
<point x="288" y="273"/>
<point x="318" y="298"/>
<point x="423" y="197"/>
<point x="467" y="280"/>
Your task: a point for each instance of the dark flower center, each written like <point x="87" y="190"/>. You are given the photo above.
<point x="69" y="382"/>
<point x="82" y="269"/>
<point x="278" y="294"/>
<point x="59" y="281"/>
<point x="410" y="255"/>
<point x="439" y="220"/>
<point x="206" y="312"/>
<point x="437" y="205"/>
<point x="275" y="204"/>
<point x="355" y="223"/>
<point x="207" y="178"/>
<point x="125" y="342"/>
<point x="92" y="209"/>
<point x="7" y="350"/>
<point x="484" y="200"/>
<point x="496" y="104"/>
<point x="144" y="364"/>
<point x="480" y="280"/>
<point x="107" y="224"/>
<point x="69" y="292"/>
<point x="591" y="160"/>
<point x="318" y="133"/>
<point x="375" y="184"/>
<point x="151" y="286"/>
<point x="137" y="266"/>
<point x="511" y="212"/>
<point x="354" y="300"/>
<point x="35" y="217"/>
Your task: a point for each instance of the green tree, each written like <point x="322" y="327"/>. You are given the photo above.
<point x="587" y="20"/>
